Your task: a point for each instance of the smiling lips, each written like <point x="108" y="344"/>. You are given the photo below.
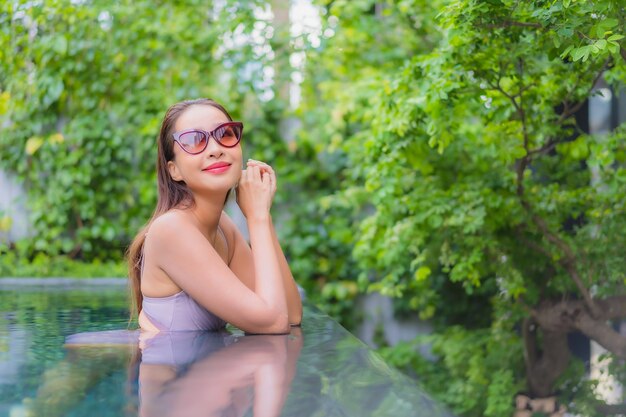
<point x="217" y="168"/>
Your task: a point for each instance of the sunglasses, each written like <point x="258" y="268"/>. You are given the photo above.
<point x="195" y="141"/>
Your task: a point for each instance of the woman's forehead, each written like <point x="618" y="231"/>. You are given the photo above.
<point x="200" y="116"/>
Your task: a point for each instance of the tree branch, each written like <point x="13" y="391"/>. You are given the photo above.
<point x="550" y="314"/>
<point x="602" y="333"/>
<point x="568" y="262"/>
<point x="551" y="144"/>
<point x="569" y="112"/>
<point x="613" y="307"/>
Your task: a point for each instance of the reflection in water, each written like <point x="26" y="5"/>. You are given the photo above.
<point x="213" y="374"/>
<point x="117" y="373"/>
<point x="179" y="373"/>
<point x="91" y="362"/>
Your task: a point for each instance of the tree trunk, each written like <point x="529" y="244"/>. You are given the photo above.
<point x="546" y="355"/>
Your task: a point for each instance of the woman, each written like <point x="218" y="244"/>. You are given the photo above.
<point x="216" y="374"/>
<point x="176" y="374"/>
<point x="190" y="268"/>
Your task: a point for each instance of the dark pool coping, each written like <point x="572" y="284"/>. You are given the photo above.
<point x="62" y="281"/>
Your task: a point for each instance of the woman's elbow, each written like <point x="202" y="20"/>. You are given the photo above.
<point x="279" y="325"/>
<point x="295" y="318"/>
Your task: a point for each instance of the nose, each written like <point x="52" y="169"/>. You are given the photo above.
<point x="213" y="148"/>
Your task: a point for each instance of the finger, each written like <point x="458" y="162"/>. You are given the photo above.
<point x="256" y="171"/>
<point x="265" y="168"/>
<point x="254" y="162"/>
<point x="249" y="175"/>
<point x="272" y="179"/>
<point x="271" y="171"/>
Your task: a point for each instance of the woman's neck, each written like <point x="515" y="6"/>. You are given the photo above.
<point x="207" y="213"/>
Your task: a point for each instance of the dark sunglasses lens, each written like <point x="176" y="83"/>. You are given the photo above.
<point x="228" y="135"/>
<point x="193" y="142"/>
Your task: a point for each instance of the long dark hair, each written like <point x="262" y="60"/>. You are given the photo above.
<point x="171" y="193"/>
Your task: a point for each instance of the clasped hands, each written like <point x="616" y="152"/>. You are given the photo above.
<point x="256" y="189"/>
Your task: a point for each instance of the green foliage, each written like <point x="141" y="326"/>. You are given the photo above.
<point x="578" y="390"/>
<point x="83" y="87"/>
<point x="318" y="238"/>
<point x="433" y="136"/>
<point x="342" y="81"/>
<point x="469" y="373"/>
<point x="452" y="130"/>
<point x="14" y="263"/>
<point x="482" y="106"/>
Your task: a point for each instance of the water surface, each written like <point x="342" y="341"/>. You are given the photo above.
<point x="69" y="352"/>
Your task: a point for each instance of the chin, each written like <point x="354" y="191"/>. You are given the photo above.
<point x="212" y="188"/>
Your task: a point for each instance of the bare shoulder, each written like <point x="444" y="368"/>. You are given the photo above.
<point x="172" y="216"/>
<point x="165" y="234"/>
<point x="168" y="226"/>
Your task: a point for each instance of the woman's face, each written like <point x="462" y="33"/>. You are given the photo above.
<point x="217" y="168"/>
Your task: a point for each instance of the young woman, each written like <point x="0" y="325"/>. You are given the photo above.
<point x="190" y="268"/>
<point x="216" y="374"/>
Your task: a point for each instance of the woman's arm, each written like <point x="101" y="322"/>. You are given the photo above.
<point x="241" y="265"/>
<point x="182" y="252"/>
<point x="267" y="364"/>
<point x="294" y="302"/>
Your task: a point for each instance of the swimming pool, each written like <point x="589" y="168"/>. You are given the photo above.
<point x="66" y="350"/>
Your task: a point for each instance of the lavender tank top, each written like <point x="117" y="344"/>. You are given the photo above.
<point x="180" y="312"/>
<point x="181" y="349"/>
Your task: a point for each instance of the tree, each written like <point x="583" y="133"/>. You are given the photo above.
<point x="346" y="63"/>
<point x="472" y="172"/>
<point x="83" y="87"/>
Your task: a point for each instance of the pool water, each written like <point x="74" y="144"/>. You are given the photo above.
<point x="70" y="351"/>
<point x="37" y="372"/>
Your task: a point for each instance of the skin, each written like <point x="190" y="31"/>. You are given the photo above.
<point x="183" y="250"/>
<point x="254" y="373"/>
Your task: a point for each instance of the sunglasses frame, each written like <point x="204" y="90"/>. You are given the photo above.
<point x="209" y="135"/>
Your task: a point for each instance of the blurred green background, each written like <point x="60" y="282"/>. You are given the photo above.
<point x="465" y="158"/>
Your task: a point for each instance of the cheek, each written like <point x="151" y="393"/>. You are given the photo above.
<point x="185" y="166"/>
<point x="238" y="160"/>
